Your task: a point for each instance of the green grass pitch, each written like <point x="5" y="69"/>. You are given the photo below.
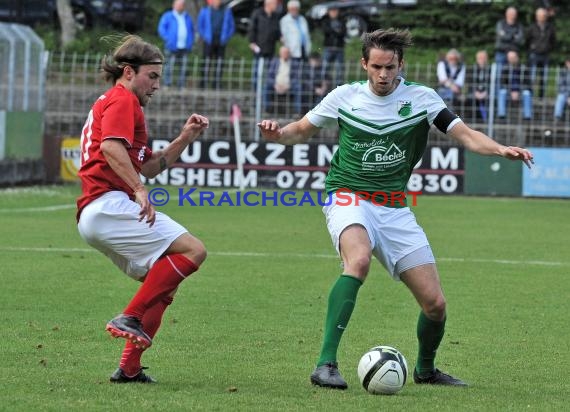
<point x="244" y="332"/>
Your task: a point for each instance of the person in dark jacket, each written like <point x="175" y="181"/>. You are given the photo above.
<point x="315" y="81"/>
<point x="177" y="31"/>
<point x="509" y="35"/>
<point x="333" y="46"/>
<point x="515" y="85"/>
<point x="216" y="27"/>
<point x="479" y="80"/>
<point x="541" y="39"/>
<point x="263" y="34"/>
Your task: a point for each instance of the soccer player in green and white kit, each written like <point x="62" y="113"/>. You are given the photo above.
<point x="383" y="129"/>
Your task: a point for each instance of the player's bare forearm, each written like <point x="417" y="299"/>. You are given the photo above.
<point x="162" y="159"/>
<point x="118" y="159"/>
<point x="165" y="158"/>
<point x="295" y="132"/>
<point x="475" y="141"/>
<point x="480" y="143"/>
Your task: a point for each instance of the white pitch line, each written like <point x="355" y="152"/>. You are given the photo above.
<point x="38" y="209"/>
<point x="293" y="255"/>
<point x="287" y="255"/>
<point x="505" y="261"/>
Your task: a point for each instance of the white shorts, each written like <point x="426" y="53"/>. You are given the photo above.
<point x="393" y="232"/>
<point x="111" y="225"/>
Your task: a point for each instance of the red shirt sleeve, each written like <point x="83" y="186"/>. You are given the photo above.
<point x="118" y="119"/>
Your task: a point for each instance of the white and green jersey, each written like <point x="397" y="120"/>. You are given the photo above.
<point x="381" y="138"/>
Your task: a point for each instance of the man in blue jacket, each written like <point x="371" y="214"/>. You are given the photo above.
<point x="216" y="27"/>
<point x="176" y="29"/>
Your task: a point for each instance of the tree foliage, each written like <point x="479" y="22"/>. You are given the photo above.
<point x="439" y="25"/>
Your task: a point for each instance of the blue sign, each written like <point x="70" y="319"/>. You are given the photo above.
<point x="550" y="174"/>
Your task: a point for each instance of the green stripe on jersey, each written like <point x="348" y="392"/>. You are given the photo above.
<point x="381" y="138"/>
<point x="383" y="128"/>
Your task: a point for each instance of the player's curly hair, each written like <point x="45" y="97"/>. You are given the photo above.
<point x="386" y="39"/>
<point x="131" y="51"/>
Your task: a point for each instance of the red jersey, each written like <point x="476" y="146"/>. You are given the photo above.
<point x="116" y="114"/>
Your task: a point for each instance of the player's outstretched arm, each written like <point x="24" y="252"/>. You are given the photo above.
<point x="296" y="132"/>
<point x="480" y="143"/>
<point x="162" y="159"/>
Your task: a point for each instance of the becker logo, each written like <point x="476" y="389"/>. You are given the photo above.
<point x="378" y="157"/>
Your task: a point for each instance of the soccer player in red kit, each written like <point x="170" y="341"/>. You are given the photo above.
<point x="114" y="213"/>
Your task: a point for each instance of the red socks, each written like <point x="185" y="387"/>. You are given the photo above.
<point x="151" y="300"/>
<point x="163" y="278"/>
<point x="131" y="358"/>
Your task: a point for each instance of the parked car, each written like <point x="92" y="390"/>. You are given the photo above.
<point x="358" y="15"/>
<point x="123" y="14"/>
<point x="242" y="9"/>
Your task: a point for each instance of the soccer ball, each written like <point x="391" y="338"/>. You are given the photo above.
<point x="383" y="370"/>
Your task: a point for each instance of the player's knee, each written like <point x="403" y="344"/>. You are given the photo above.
<point x="435" y="308"/>
<point x="358" y="266"/>
<point x="191" y="247"/>
<point x="196" y="252"/>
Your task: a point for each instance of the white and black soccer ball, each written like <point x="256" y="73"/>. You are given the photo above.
<point x="383" y="370"/>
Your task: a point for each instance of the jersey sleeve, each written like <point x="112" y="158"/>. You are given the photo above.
<point x="118" y="119"/>
<point x="433" y="104"/>
<point x="325" y="114"/>
<point x="436" y="106"/>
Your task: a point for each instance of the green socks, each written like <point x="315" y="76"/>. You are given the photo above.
<point x="342" y="298"/>
<point x="430" y="334"/>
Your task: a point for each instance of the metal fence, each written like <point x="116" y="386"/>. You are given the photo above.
<point x="73" y="84"/>
<point x="22" y="68"/>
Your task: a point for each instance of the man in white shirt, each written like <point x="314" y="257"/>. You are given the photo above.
<point x="451" y="77"/>
<point x="296" y="37"/>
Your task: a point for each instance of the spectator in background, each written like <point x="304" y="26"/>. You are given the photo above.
<point x="478" y="80"/>
<point x="563" y="97"/>
<point x="278" y="79"/>
<point x="515" y="83"/>
<point x="177" y="31"/>
<point x="548" y="5"/>
<point x="263" y="34"/>
<point x="216" y="28"/>
<point x="509" y="35"/>
<point x="316" y="83"/>
<point x="333" y="46"/>
<point x="541" y="38"/>
<point x="296" y="37"/>
<point x="451" y="77"/>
